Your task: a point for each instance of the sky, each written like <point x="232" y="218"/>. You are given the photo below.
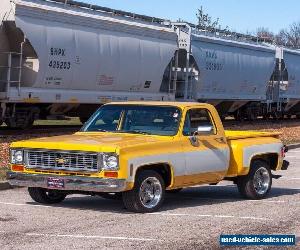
<point x="239" y="15"/>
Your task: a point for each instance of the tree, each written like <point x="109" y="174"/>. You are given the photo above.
<point x="265" y="35"/>
<point x="289" y="37"/>
<point x="205" y="21"/>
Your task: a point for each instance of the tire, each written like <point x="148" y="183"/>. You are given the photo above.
<point x="133" y="199"/>
<point x="46" y="196"/>
<point x="257" y="184"/>
<point x="174" y="191"/>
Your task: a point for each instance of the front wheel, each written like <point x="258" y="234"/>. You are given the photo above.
<point x="46" y="196"/>
<point x="148" y="193"/>
<point x="257" y="184"/>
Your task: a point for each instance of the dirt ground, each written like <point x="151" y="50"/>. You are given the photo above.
<point x="290" y="134"/>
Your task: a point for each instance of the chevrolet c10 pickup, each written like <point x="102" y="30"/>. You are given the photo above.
<point x="138" y="151"/>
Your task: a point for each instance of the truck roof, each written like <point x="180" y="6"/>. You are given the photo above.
<point x="160" y="103"/>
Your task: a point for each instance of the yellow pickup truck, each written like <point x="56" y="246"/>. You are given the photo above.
<point x="140" y="150"/>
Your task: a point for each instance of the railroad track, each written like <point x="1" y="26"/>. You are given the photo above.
<point x="229" y="124"/>
<point x="51" y="129"/>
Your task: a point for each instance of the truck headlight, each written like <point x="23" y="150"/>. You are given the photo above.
<point x="17" y="156"/>
<point x="110" y="162"/>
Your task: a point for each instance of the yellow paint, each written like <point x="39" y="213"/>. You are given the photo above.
<point x="236" y="167"/>
<point x="197" y="179"/>
<point x="73" y="100"/>
<point x="130" y="146"/>
<point x="235" y="135"/>
<point x="32" y="100"/>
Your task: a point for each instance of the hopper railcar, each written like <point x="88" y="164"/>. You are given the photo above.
<point x="62" y="57"/>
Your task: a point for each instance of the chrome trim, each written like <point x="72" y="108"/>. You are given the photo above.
<point x="72" y="155"/>
<point x="72" y="183"/>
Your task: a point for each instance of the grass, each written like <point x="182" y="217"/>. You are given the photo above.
<point x="72" y="121"/>
<point x="69" y="122"/>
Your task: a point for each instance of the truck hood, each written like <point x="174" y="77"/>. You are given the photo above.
<point x="93" y="142"/>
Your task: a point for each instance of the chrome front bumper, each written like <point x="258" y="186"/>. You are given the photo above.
<point x="71" y="183"/>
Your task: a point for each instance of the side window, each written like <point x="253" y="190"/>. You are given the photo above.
<point x="197" y="118"/>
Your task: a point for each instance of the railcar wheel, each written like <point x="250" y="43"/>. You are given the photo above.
<point x="20" y="122"/>
<point x="148" y="193"/>
<point x="46" y="196"/>
<point x="257" y="184"/>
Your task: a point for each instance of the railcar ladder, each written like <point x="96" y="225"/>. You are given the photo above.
<point x="184" y="33"/>
<point x="8" y="81"/>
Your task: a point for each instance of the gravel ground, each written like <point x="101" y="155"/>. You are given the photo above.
<point x="290" y="129"/>
<point x="290" y="133"/>
<point x="192" y="219"/>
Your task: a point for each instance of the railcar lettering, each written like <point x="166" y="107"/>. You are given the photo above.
<point x="57" y="52"/>
<point x="59" y="64"/>
<point x="211" y="54"/>
<point x="214" y="66"/>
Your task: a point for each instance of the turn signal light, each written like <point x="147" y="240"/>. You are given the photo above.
<point x="19" y="168"/>
<point x="111" y="174"/>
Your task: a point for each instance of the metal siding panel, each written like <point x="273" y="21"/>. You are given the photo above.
<point x="117" y="61"/>
<point x="85" y="59"/>
<point x="244" y="72"/>
<point x="292" y="63"/>
<point x="130" y="64"/>
<point x="7" y="10"/>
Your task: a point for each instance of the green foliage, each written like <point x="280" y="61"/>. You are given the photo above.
<point x="206" y="21"/>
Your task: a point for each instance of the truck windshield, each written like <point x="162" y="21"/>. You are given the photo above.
<point x="135" y="119"/>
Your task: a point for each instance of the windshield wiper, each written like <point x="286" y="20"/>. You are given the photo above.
<point x="134" y="132"/>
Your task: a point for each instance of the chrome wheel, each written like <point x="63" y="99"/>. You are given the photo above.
<point x="150" y="192"/>
<point x="261" y="180"/>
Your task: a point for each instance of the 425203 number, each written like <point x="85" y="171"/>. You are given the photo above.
<point x="59" y="65"/>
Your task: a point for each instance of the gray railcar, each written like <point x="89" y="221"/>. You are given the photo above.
<point x="291" y="93"/>
<point x="65" y="56"/>
<point x="231" y="73"/>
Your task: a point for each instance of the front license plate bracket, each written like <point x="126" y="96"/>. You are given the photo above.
<point x="53" y="182"/>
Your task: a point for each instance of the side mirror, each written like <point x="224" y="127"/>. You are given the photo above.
<point x="204" y="129"/>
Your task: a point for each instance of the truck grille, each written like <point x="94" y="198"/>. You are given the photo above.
<point x="62" y="160"/>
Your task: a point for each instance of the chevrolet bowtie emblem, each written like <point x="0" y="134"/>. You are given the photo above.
<point x="61" y="161"/>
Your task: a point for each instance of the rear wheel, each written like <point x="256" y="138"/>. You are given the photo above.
<point x="148" y="193"/>
<point x="46" y="196"/>
<point x="257" y="184"/>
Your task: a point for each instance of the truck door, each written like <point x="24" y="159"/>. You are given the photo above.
<point x="206" y="153"/>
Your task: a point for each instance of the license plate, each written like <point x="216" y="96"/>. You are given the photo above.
<point x="55" y="183"/>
